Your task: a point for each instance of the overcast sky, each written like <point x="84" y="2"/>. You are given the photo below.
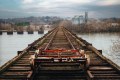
<point x="62" y="8"/>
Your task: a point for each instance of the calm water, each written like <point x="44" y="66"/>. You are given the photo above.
<point x="10" y="44"/>
<point x="104" y="42"/>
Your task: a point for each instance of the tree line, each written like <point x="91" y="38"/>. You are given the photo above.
<point x="94" y="26"/>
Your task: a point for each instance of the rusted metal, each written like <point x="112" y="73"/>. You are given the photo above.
<point x="69" y="40"/>
<point x="50" y="40"/>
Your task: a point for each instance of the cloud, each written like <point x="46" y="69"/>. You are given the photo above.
<point x="70" y="7"/>
<point x="108" y="2"/>
<point x="67" y="7"/>
<point x="27" y="1"/>
<point x="52" y="3"/>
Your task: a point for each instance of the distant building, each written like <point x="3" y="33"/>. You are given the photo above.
<point x="80" y="19"/>
<point x="86" y="17"/>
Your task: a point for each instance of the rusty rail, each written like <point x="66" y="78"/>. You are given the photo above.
<point x="69" y="40"/>
<point x="50" y="40"/>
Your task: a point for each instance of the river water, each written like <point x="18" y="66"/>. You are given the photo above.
<point x="10" y="44"/>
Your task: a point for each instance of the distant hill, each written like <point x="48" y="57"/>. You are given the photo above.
<point x="32" y="19"/>
<point x="111" y="19"/>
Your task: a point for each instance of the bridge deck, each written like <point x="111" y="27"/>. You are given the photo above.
<point x="59" y="57"/>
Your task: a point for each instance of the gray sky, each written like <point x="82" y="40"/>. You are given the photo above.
<point x="62" y="8"/>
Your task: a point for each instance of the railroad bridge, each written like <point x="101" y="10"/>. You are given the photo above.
<point x="60" y="55"/>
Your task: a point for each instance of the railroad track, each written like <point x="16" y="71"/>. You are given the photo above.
<point x="17" y="68"/>
<point x="100" y="69"/>
<point x="60" y="39"/>
<point x="60" y="50"/>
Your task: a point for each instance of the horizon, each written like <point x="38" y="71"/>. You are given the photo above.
<point x="60" y="8"/>
<point x="60" y="17"/>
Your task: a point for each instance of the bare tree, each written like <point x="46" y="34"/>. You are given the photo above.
<point x="116" y="46"/>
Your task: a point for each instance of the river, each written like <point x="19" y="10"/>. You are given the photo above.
<point x="10" y="44"/>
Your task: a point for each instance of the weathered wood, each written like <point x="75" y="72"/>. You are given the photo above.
<point x="15" y="73"/>
<point x="30" y="32"/>
<point x="104" y="72"/>
<point x="20" y="32"/>
<point x="65" y="64"/>
<point x="13" y="77"/>
<point x="9" y="63"/>
<point x="101" y="68"/>
<point x="104" y="58"/>
<point x="20" y="69"/>
<point x="10" y="32"/>
<point x="21" y="64"/>
<point x="107" y="77"/>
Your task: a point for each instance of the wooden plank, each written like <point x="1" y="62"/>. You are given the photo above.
<point x="98" y="64"/>
<point x="103" y="72"/>
<point x="21" y="65"/>
<point x="24" y="58"/>
<point x="60" y="68"/>
<point x="106" y="74"/>
<point x="23" y="61"/>
<point x="19" y="62"/>
<point x="13" y="77"/>
<point x="19" y="69"/>
<point x="100" y="68"/>
<point x="62" y="77"/>
<point x="15" y="73"/>
<point x="60" y="64"/>
<point x="107" y="77"/>
<point x="66" y="72"/>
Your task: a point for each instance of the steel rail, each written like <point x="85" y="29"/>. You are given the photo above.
<point x="69" y="40"/>
<point x="51" y="40"/>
